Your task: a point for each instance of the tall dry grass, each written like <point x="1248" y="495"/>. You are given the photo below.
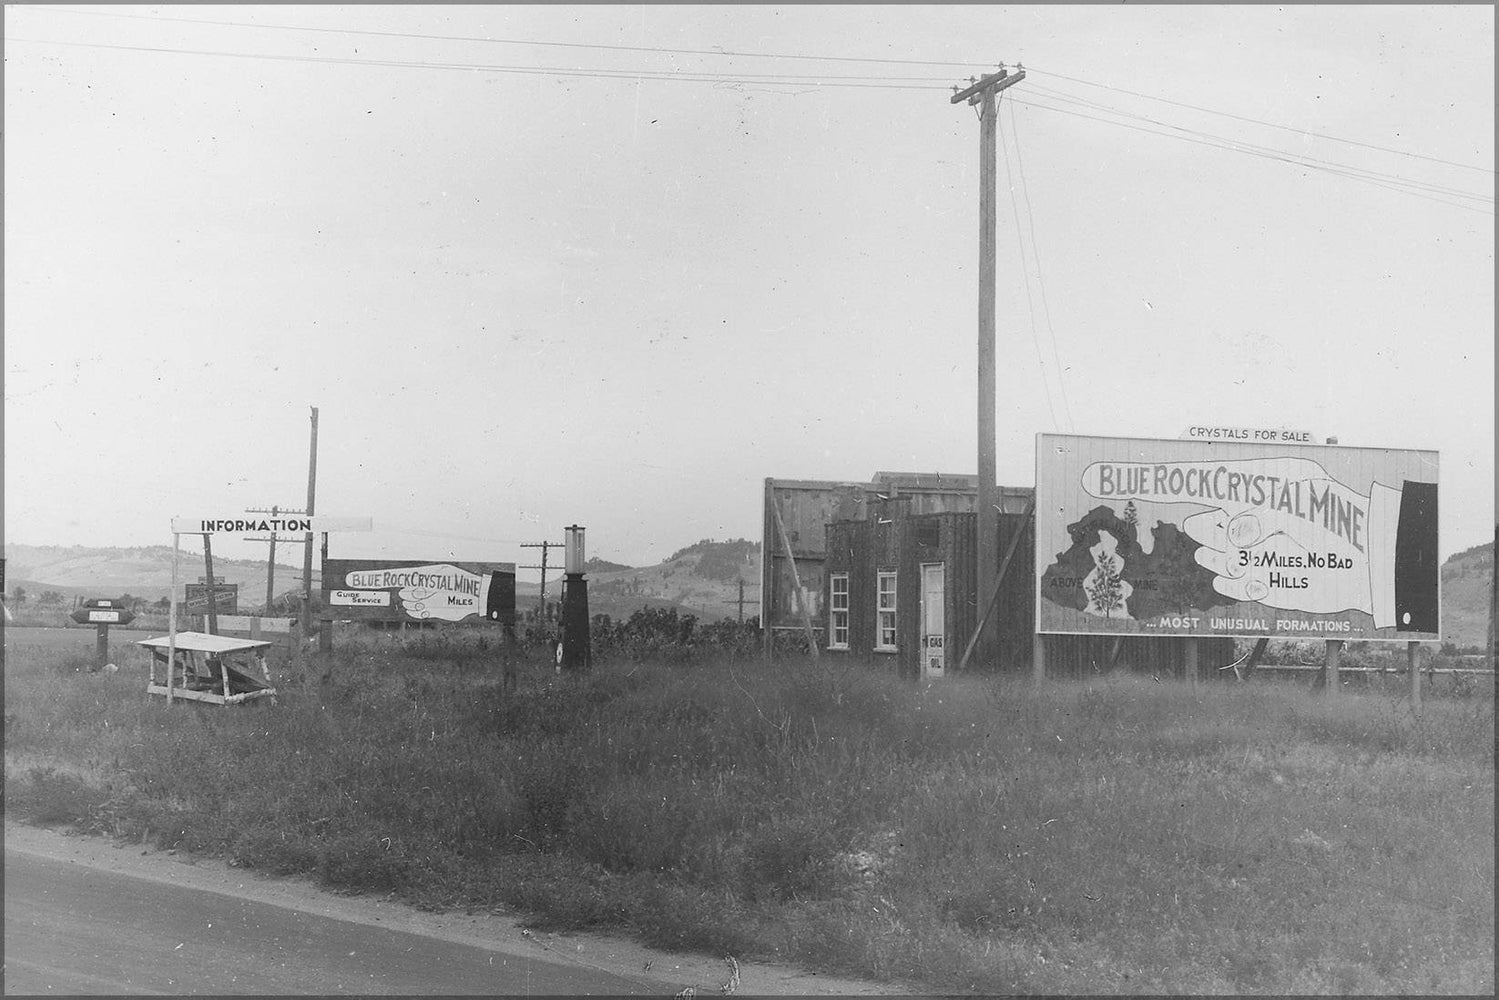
<point x="1122" y="836"/>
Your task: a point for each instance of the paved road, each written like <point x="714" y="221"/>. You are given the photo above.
<point x="73" y="928"/>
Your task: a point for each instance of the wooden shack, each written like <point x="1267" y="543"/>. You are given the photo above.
<point x="797" y="513"/>
<point x="903" y="585"/>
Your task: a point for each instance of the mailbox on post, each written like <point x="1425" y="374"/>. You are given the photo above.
<point x="103" y="612"/>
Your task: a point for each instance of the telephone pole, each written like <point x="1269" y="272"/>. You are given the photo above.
<point x="270" y="568"/>
<point x="742" y="602"/>
<point x="984" y="94"/>
<point x="541" y="613"/>
<point x="307" y="551"/>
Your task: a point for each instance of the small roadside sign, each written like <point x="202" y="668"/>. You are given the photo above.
<point x="1248" y="435"/>
<point x="103" y="616"/>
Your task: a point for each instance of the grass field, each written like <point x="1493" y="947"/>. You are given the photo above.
<point x="1122" y="836"/>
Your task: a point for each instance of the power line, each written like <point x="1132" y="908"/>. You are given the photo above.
<point x="1424" y="185"/>
<point x="759" y="55"/>
<point x="789" y="80"/>
<point x="521" y="41"/>
<point x="1030" y="305"/>
<point x="1348" y="172"/>
<point x="1267" y="124"/>
<point x="1388" y="181"/>
<point x="1030" y="219"/>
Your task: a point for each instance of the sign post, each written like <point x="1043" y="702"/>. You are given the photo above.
<point x="304" y="523"/>
<point x="172" y="621"/>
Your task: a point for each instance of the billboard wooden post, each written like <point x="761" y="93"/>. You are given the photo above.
<point x="101" y="645"/>
<point x="325" y="629"/>
<point x="1038" y="657"/>
<point x="1415" y="676"/>
<point x="1189" y="661"/>
<point x="1334" y="652"/>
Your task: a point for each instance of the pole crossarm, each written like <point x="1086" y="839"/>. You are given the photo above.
<point x="998" y="81"/>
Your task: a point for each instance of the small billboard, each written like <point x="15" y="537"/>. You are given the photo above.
<point x="405" y="590"/>
<point x="1211" y="538"/>
<point x="225" y="598"/>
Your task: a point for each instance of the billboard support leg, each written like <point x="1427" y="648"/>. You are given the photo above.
<point x="1038" y="658"/>
<point x="1189" y="659"/>
<point x="1415" y="676"/>
<point x="1334" y="651"/>
<point x="325" y="626"/>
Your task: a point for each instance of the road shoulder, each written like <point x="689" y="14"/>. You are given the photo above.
<point x="494" y="931"/>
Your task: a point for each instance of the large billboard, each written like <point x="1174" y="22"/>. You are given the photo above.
<point x="407" y="590"/>
<point x="1159" y="537"/>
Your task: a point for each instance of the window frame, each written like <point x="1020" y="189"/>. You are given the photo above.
<point x="884" y="613"/>
<point x="838" y="617"/>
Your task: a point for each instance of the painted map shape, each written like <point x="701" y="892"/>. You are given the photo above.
<point x="1165" y="581"/>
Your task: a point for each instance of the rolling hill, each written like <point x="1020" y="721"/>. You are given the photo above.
<point x="86" y="571"/>
<point x="1467" y="596"/>
<point x="702" y="579"/>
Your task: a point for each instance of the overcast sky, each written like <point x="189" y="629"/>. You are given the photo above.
<point x="534" y="269"/>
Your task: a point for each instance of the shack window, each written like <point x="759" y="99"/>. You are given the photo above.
<point x="838" y="611"/>
<point x="928" y="534"/>
<point x="885" y="614"/>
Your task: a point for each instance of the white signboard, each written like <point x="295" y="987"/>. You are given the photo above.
<point x="1142" y="537"/>
<point x="359" y="598"/>
<point x="290" y="523"/>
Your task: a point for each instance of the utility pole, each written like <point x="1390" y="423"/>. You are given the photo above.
<point x="541" y="612"/>
<point x="307" y="550"/>
<point x="213" y="586"/>
<point x="984" y="93"/>
<point x="742" y="602"/>
<point x="270" y="569"/>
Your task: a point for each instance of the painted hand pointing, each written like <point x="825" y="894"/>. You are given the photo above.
<point x="1282" y="532"/>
